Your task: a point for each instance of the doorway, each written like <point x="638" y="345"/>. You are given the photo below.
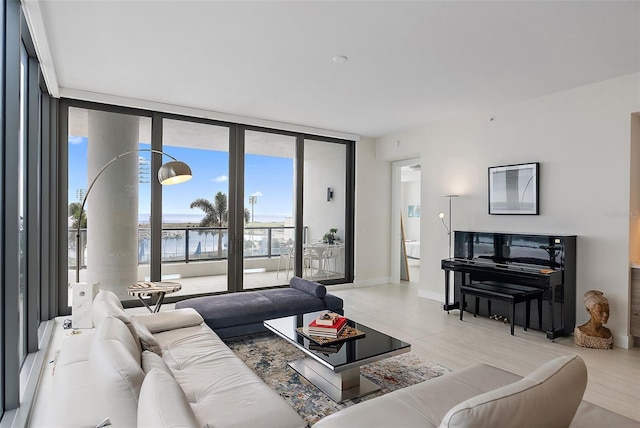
<point x="405" y="227"/>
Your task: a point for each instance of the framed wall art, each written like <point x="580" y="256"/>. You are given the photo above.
<point x="413" y="211"/>
<point x="514" y="189"/>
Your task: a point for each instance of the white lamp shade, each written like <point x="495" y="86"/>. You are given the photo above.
<point x="174" y="172"/>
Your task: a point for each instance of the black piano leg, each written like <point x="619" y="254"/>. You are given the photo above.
<point x="461" y="304"/>
<point x="475" y="310"/>
<point x="540" y="312"/>
<point x="513" y="316"/>
<point x="527" y="315"/>
<point x="489" y="307"/>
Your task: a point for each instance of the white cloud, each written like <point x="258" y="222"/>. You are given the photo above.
<point x="76" y="140"/>
<point x="257" y="194"/>
<point x="221" y="179"/>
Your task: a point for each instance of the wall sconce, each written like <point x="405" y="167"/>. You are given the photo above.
<point x="329" y="194"/>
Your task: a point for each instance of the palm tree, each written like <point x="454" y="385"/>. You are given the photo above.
<point x="74" y="213"/>
<point x="216" y="214"/>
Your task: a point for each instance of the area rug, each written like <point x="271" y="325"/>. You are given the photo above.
<point x="267" y="355"/>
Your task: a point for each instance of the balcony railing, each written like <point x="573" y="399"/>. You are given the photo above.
<point x="199" y="243"/>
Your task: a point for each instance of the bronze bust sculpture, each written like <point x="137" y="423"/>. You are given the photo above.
<point x="593" y="334"/>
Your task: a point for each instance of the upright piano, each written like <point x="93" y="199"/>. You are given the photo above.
<point x="547" y="262"/>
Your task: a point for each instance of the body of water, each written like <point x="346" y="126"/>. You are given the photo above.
<point x="196" y="218"/>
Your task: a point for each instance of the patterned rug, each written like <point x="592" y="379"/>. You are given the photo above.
<point x="267" y="355"/>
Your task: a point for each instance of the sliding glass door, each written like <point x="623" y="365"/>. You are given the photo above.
<point x="268" y="217"/>
<point x="195" y="214"/>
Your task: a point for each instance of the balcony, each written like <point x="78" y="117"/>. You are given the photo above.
<point x="197" y="258"/>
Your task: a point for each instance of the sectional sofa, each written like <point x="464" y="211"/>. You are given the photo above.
<point x="158" y="370"/>
<point x="171" y="370"/>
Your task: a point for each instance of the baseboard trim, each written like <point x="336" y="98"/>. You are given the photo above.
<point x="431" y="295"/>
<point x="623" y="341"/>
<point x="373" y="281"/>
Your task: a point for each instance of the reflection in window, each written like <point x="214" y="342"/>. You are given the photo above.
<point x="22" y="204"/>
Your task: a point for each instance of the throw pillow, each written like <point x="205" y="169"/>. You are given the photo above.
<point x="147" y="341"/>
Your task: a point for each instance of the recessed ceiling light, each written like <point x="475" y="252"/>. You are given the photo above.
<point x="340" y="58"/>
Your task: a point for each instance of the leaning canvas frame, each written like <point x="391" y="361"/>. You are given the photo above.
<point x="514" y="189"/>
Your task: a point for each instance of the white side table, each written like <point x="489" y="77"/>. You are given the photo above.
<point x="149" y="289"/>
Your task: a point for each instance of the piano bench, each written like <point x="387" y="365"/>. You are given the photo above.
<point x="511" y="293"/>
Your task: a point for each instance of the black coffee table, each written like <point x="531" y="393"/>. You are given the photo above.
<point x="335" y="370"/>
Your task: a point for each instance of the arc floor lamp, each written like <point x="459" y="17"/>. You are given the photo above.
<point x="173" y="172"/>
<point x="442" y="216"/>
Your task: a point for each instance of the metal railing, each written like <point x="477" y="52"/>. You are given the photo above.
<point x="199" y="243"/>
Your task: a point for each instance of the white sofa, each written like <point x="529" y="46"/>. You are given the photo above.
<point x="115" y="373"/>
<point x="486" y="396"/>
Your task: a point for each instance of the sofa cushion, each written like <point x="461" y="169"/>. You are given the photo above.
<point x="548" y="397"/>
<point x="151" y="360"/>
<point x="310" y="287"/>
<point x="235" y="309"/>
<point x="106" y="304"/>
<point x="147" y="341"/>
<point x="115" y="363"/>
<point x="229" y="309"/>
<point x="163" y="404"/>
<point x="221" y="389"/>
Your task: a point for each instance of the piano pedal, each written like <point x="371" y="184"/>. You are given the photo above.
<point x="504" y="320"/>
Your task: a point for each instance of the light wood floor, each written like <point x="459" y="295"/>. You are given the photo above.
<point x="614" y="375"/>
<point x="440" y="337"/>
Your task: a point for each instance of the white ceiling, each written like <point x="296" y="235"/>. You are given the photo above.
<point x="409" y="62"/>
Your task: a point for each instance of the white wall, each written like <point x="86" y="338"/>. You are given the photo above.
<point x="373" y="216"/>
<point x="581" y="137"/>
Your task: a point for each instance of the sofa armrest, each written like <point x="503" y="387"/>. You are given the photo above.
<point x="548" y="396"/>
<point x="170" y="320"/>
<point x="309" y="287"/>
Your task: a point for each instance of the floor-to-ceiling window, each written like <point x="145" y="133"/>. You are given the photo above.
<point x="23" y="192"/>
<point x="195" y="214"/>
<point x="269" y="245"/>
<point x="22" y="203"/>
<point x="325" y="184"/>
<point x="3" y="146"/>
<point x="237" y="224"/>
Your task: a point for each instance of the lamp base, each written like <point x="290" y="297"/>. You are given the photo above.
<point x="82" y="307"/>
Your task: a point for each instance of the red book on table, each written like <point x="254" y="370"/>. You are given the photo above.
<point x="335" y="328"/>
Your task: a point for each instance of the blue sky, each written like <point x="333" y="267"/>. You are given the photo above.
<point x="270" y="178"/>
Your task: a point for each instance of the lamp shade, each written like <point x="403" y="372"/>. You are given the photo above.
<point x="174" y="172"/>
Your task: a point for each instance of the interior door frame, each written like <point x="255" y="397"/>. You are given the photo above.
<point x="396" y="210"/>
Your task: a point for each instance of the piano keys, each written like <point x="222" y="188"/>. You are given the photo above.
<point x="547" y="262"/>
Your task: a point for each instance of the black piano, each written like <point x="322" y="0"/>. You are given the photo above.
<point x="547" y="262"/>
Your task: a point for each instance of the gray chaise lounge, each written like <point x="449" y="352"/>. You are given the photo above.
<point x="238" y="314"/>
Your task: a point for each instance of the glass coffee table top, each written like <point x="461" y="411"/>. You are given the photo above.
<point x="343" y="356"/>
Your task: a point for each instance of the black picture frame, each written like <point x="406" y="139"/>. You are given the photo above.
<point x="514" y="189"/>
